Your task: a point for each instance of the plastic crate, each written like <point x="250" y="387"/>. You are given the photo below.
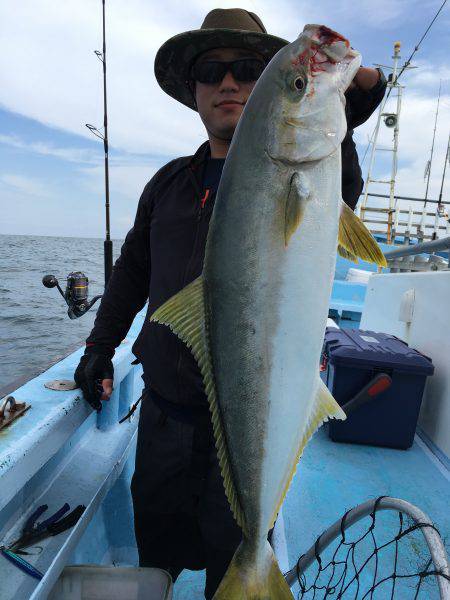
<point x="95" y="582"/>
<point x="351" y="359"/>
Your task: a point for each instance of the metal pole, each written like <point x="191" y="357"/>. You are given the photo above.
<point x="440" y="245"/>
<point x="392" y="200"/>
<point x="408" y="198"/>
<point x="107" y="243"/>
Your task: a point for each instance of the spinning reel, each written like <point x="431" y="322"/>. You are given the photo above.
<point x="76" y="294"/>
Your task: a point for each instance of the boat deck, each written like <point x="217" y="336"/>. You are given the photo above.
<point x="331" y="479"/>
<point x="61" y="441"/>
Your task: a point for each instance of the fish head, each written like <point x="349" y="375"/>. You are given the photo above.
<point x="311" y="75"/>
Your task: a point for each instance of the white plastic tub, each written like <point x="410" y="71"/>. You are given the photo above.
<point x="86" y="582"/>
<point x="358" y="275"/>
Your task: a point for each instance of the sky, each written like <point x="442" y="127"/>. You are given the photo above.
<point x="51" y="166"/>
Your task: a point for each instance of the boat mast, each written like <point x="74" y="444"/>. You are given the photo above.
<point x="391" y="120"/>
<point x="107" y="244"/>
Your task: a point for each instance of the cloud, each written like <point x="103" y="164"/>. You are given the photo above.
<point x="427" y="76"/>
<point x="25" y="185"/>
<point x="127" y="177"/>
<point x="76" y="155"/>
<point x="49" y="73"/>
<point x="378" y="14"/>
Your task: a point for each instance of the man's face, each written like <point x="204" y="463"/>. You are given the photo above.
<point x="221" y="104"/>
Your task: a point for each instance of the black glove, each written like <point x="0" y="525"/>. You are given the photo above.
<point x="93" y="368"/>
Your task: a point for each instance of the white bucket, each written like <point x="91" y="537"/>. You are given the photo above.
<point x="358" y="275"/>
<point x="86" y="582"/>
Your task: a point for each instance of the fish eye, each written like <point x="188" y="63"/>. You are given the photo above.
<point x="299" y="84"/>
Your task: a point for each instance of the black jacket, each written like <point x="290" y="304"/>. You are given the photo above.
<point x="164" y="251"/>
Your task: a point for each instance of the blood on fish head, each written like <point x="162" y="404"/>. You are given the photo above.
<point x="315" y="70"/>
<point x="325" y="48"/>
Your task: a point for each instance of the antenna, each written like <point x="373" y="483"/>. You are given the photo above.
<point x="107" y="244"/>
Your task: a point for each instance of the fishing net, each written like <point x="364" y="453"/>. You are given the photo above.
<point x="397" y="553"/>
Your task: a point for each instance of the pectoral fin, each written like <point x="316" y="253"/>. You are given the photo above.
<point x="356" y="239"/>
<point x="296" y="200"/>
<point x="184" y="314"/>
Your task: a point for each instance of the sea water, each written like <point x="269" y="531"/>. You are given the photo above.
<point x="35" y="330"/>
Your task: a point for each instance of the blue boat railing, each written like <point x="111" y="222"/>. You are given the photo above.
<point x="60" y="451"/>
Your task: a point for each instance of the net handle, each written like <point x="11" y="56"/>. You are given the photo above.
<point x="432" y="537"/>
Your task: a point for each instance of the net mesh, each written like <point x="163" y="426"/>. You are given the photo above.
<point x="366" y="564"/>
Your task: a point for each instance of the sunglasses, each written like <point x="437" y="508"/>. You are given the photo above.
<point x="244" y="70"/>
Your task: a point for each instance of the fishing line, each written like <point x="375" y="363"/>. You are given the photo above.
<point x="406" y="65"/>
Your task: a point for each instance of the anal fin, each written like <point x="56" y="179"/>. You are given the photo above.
<point x="325" y="408"/>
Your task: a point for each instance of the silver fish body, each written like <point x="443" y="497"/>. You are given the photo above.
<point x="268" y="300"/>
<point x="255" y="320"/>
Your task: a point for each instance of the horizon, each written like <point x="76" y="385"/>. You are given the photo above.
<point x="75" y="237"/>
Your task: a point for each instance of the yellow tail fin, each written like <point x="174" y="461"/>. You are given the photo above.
<point x="245" y="581"/>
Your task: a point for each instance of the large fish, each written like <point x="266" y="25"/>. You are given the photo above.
<point x="255" y="319"/>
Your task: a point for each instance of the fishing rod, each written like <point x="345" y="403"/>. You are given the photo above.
<point x="440" y="207"/>
<point x="429" y="162"/>
<point x="77" y="289"/>
<point x="107" y="244"/>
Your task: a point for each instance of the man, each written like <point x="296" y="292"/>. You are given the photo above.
<point x="182" y="517"/>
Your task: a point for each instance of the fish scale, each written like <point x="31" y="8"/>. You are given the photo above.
<point x="256" y="317"/>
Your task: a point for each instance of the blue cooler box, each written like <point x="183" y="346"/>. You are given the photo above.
<point x="351" y="359"/>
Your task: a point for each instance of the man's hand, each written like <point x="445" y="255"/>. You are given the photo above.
<point x="94" y="375"/>
<point x="365" y="79"/>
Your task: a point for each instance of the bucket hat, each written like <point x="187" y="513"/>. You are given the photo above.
<point x="222" y="28"/>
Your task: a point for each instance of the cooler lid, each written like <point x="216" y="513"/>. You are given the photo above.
<point x="369" y="348"/>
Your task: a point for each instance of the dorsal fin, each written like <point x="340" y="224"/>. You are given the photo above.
<point x="184" y="313"/>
